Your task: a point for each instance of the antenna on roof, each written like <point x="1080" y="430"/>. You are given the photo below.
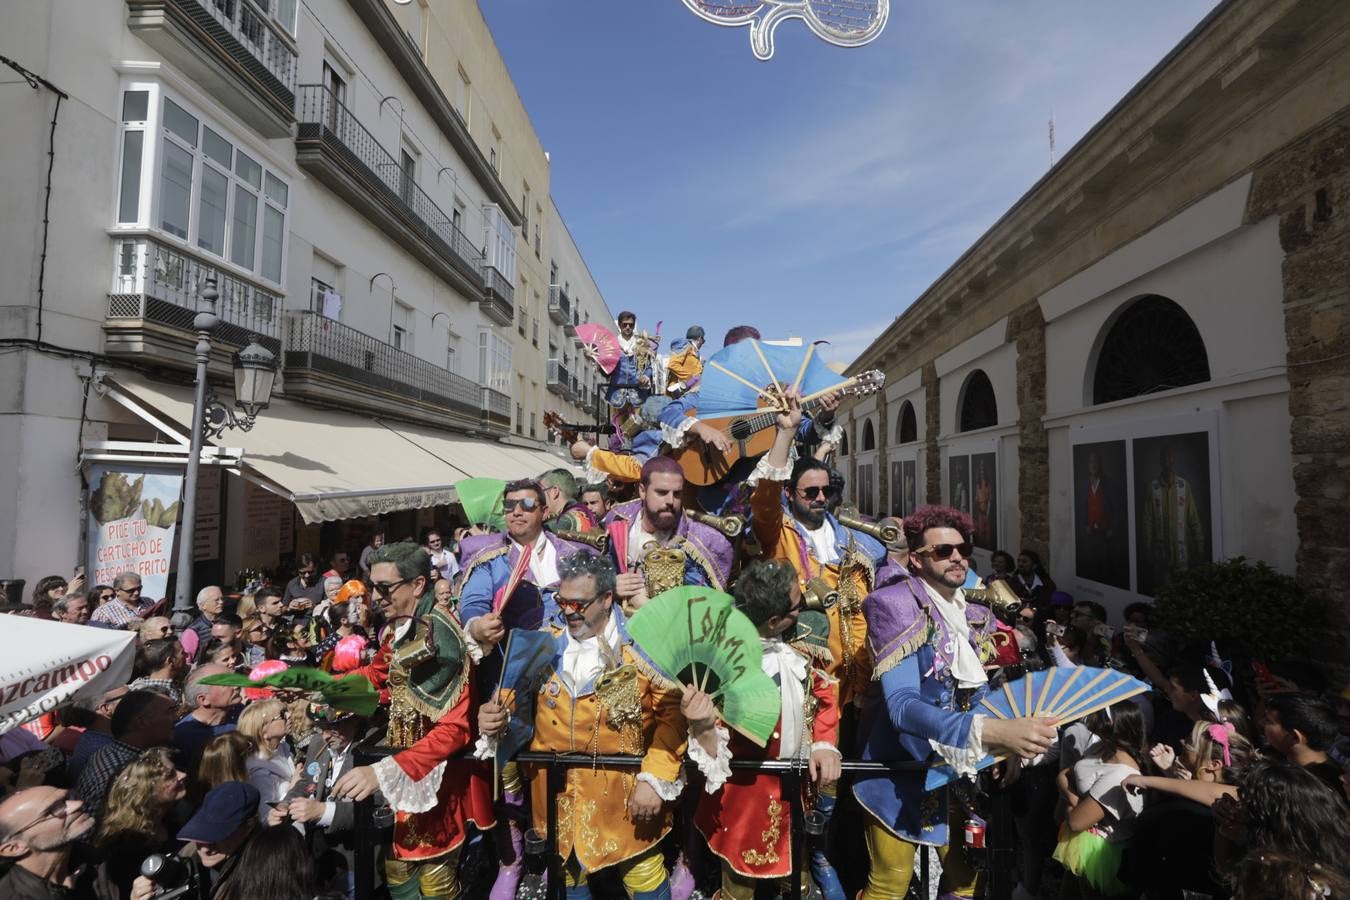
<point x="1052" y="139"/>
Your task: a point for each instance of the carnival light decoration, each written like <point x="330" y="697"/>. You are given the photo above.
<point x="844" y="23"/>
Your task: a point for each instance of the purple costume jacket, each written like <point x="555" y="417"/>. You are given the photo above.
<point x="708" y="553"/>
<point x="912" y="699"/>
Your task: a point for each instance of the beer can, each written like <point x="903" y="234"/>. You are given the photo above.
<point x="974" y="834"/>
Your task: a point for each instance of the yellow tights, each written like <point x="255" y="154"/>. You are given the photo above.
<point x="642" y="873"/>
<point x="893" y="865"/>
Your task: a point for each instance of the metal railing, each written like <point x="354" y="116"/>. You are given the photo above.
<point x="317" y="107"/>
<point x="149" y="275"/>
<point x="557" y="377"/>
<point x="997" y="858"/>
<point x="496" y="404"/>
<point x="252" y="27"/>
<point x="316" y="342"/>
<point x="494" y="281"/>
<point x="559" y="305"/>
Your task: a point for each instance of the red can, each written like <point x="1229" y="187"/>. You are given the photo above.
<point x="974" y="834"/>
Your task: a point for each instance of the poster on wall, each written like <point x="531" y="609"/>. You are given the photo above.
<point x="897" y="490"/>
<point x="867" y="490"/>
<point x="262" y="538"/>
<point x="1173" y="530"/>
<point x="206" y="536"/>
<point x="133" y="514"/>
<point x="1101" y="514"/>
<point x="958" y="482"/>
<point x="909" y="478"/>
<point x="984" y="511"/>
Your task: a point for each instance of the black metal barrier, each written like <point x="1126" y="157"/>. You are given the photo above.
<point x="995" y="860"/>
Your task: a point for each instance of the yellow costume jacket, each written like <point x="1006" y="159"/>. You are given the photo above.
<point x="783" y="538"/>
<point x="632" y="710"/>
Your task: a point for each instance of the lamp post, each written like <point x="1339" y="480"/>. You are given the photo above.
<point x="255" y="372"/>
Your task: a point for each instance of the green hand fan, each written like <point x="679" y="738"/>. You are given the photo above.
<point x="695" y="635"/>
<point x="482" y="501"/>
<point x="350" y="693"/>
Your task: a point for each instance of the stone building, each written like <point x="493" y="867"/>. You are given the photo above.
<point x="1142" y="363"/>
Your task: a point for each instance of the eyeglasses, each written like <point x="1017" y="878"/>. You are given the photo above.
<point x="106" y="597"/>
<point x="575" y="606"/>
<point x="812" y="493"/>
<point x="58" y="810"/>
<point x="283" y="716"/>
<point x="135" y="590"/>
<point x="385" y="590"/>
<point x="529" y="504"/>
<point x="944" y="551"/>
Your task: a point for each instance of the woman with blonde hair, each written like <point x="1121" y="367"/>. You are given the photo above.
<point x="135" y="821"/>
<point x="254" y="636"/>
<point x="271" y="765"/>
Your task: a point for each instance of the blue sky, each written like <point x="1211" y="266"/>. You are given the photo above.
<point x="821" y="192"/>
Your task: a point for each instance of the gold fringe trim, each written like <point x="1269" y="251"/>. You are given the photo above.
<point x="461" y="680"/>
<point x="899" y="654"/>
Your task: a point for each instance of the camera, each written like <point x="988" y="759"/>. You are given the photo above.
<point x="1054" y="628"/>
<point x="172" y="875"/>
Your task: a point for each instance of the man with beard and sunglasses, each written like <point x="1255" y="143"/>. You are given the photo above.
<point x="929" y="646"/>
<point x="602" y="696"/>
<point x="790" y="514"/>
<point x="692" y="553"/>
<point x="423" y="665"/>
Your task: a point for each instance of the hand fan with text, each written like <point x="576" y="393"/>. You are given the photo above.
<point x="695" y="635"/>
<point x="350" y="693"/>
<point x="1066" y="693"/>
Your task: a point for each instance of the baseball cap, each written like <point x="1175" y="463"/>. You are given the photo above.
<point x="224" y="809"/>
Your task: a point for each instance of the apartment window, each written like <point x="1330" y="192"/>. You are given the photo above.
<point x="452" y="357"/>
<point x="463" y="96"/>
<point x="532" y="424"/>
<point x="324" y="299"/>
<point x="403" y="330"/>
<point x="284" y="13"/>
<point x="407" y="174"/>
<point x="538" y="240"/>
<point x="552" y="271"/>
<point x="494" y="361"/>
<point x="336" y="82"/>
<point x="195" y="182"/>
<point x="457" y="217"/>
<point x="499" y="242"/>
<point x="495" y="151"/>
<point x="525" y="213"/>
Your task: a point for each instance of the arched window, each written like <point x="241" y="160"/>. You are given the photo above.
<point x="843" y="445"/>
<point x="869" y="439"/>
<point x="907" y="426"/>
<point x="1151" y="346"/>
<point x="975" y="405"/>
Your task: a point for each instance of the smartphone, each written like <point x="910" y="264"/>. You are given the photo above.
<point x="79" y="571"/>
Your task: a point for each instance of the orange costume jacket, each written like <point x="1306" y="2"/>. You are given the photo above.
<point x="747" y="821"/>
<point x="783" y="538"/>
<point x="631" y="710"/>
<point x="433" y="801"/>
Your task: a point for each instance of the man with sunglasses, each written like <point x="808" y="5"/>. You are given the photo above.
<point x="929" y="647"/>
<point x="565" y="511"/>
<point x="656" y="520"/>
<point x="525" y="559"/>
<point x="127" y="608"/>
<point x="40" y="830"/>
<point x="790" y="515"/>
<point x="602" y="696"/>
<point x="423" y="664"/>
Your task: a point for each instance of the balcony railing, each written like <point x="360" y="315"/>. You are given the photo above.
<point x="559" y="305"/>
<point x="557" y="377"/>
<point x="322" y="344"/>
<point x="496" y="407"/>
<point x="253" y="28"/>
<point x="159" y="282"/>
<point x="498" y="297"/>
<point x="324" y="119"/>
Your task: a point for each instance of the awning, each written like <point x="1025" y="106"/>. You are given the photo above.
<point x="337" y="465"/>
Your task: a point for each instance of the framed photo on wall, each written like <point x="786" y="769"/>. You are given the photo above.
<point x="909" y="487"/>
<point x="958" y="482"/>
<point x="1101" y="513"/>
<point x="1174" y="528"/>
<point x="984" y="499"/>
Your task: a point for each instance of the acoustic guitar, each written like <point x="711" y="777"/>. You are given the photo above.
<point x="753" y="434"/>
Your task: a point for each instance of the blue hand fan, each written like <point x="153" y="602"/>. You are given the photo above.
<point x="1067" y="693"/>
<point x="736" y="378"/>
<point x="528" y="657"/>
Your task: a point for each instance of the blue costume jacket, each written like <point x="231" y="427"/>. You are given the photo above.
<point x="912" y="700"/>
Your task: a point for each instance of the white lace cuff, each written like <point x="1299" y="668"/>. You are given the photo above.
<point x="772" y="473"/>
<point x="834" y="435"/>
<point x="668" y="791"/>
<point x="475" y="649"/>
<point x="486" y="747"/>
<point x="675" y="435"/>
<point x="717" y="770"/>
<point x="404" y="794"/>
<point x="964" y="760"/>
<point x="826" y="745"/>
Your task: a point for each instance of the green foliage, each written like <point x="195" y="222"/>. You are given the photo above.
<point x="1250" y="610"/>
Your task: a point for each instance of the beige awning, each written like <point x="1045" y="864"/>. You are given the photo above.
<point x="337" y="465"/>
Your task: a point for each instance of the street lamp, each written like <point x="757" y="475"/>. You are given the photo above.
<point x="255" y="373"/>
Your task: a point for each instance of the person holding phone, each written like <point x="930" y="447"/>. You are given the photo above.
<point x="306" y="588"/>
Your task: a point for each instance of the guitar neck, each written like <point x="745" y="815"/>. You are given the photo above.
<point x="768" y="418"/>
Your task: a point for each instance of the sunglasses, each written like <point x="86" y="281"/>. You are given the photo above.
<point x="385" y="590"/>
<point x="134" y="590"/>
<point x="813" y="493"/>
<point x="58" y="810"/>
<point x="944" y="551"/>
<point x="575" y="606"/>
<point x="529" y="504"/>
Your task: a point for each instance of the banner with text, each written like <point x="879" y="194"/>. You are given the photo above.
<point x="46" y="664"/>
<point x="132" y="516"/>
